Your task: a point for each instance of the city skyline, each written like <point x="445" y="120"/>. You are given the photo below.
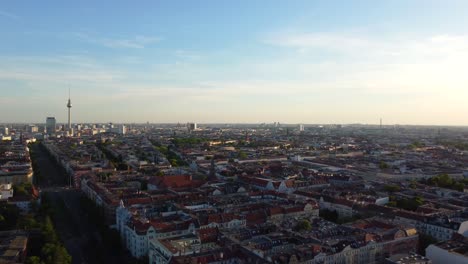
<point x="243" y="62"/>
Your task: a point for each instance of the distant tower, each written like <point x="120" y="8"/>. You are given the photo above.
<point x="69" y="106"/>
<point x="380" y="123"/>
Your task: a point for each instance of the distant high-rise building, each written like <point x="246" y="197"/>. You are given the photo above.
<point x="301" y="127"/>
<point x="33" y="129"/>
<point x="5" y="131"/>
<point x="192" y="126"/>
<point x="120" y="129"/>
<point x="51" y="125"/>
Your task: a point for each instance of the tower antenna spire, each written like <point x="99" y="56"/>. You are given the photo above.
<point x="69" y="106"/>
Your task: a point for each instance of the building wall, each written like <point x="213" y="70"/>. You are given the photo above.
<point x="441" y="256"/>
<point x="342" y="210"/>
<point x="463" y="230"/>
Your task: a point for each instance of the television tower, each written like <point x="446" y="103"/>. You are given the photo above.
<point x="69" y="106"/>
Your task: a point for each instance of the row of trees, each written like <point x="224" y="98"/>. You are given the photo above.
<point x="117" y="162"/>
<point x="458" y="144"/>
<point x="9" y="215"/>
<point x="445" y="181"/>
<point x="33" y="154"/>
<point x="171" y="156"/>
<point x="392" y="188"/>
<point x="334" y="217"/>
<point x="187" y="142"/>
<point x="45" y="248"/>
<point x="410" y="204"/>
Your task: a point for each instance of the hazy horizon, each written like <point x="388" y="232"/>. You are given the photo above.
<point x="310" y="62"/>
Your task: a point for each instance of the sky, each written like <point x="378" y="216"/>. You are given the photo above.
<point x="243" y="61"/>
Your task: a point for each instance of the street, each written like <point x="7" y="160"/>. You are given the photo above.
<point x="80" y="236"/>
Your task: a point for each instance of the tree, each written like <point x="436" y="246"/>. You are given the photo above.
<point x="48" y="231"/>
<point x="19" y="190"/>
<point x="383" y="165"/>
<point x="10" y="215"/>
<point x="303" y="225"/>
<point x="445" y="181"/>
<point x="242" y="155"/>
<point x="413" y="184"/>
<point x="459" y="186"/>
<point x="54" y="253"/>
<point x="410" y="204"/>
<point x="28" y="223"/>
<point x="34" y="260"/>
<point x="417" y="144"/>
<point x="392" y="188"/>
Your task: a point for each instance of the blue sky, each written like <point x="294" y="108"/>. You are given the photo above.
<point x="235" y="61"/>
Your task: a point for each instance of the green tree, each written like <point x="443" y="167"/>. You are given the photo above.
<point x="459" y="186"/>
<point x="10" y="215"/>
<point x="417" y="144"/>
<point x="392" y="188"/>
<point x="34" y="260"/>
<point x="241" y="155"/>
<point x="383" y="165"/>
<point x="54" y="253"/>
<point x="410" y="204"/>
<point x="303" y="225"/>
<point x="48" y="231"/>
<point x="413" y="184"/>
<point x="445" y="181"/>
<point x="19" y="190"/>
<point x="28" y="223"/>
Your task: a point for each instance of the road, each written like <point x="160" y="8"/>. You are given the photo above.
<point x="52" y="181"/>
<point x="80" y="236"/>
<point x="50" y="175"/>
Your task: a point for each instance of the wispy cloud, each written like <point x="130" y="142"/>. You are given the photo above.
<point x="330" y="41"/>
<point x="58" y="69"/>
<point x="370" y="45"/>
<point x="187" y="54"/>
<point x="136" y="42"/>
<point x="386" y="65"/>
<point x="8" y="15"/>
